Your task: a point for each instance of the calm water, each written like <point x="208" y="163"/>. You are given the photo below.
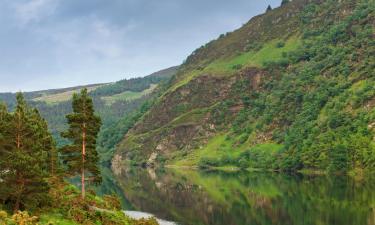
<point x="219" y="198"/>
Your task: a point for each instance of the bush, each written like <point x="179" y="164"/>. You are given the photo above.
<point x="237" y="67"/>
<point x="280" y="44"/>
<point x="243" y="163"/>
<point x="227" y="160"/>
<point x="205" y="163"/>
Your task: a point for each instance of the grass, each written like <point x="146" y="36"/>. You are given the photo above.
<point x="222" y="146"/>
<point x="68" y="208"/>
<point x="193" y="116"/>
<point x="227" y="66"/>
<point x="217" y="147"/>
<point x="127" y="95"/>
<point x="268" y="147"/>
<point x="55" y="218"/>
<point x="269" y="52"/>
<point x="61" y="97"/>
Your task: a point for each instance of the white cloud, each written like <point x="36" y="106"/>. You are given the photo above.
<point x="34" y="10"/>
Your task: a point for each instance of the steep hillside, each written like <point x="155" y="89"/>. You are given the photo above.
<point x="292" y="89"/>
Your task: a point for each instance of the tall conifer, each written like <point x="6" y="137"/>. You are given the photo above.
<point x="81" y="157"/>
<point x="47" y="143"/>
<point x="23" y="158"/>
<point x="269" y="8"/>
<point x="4" y="124"/>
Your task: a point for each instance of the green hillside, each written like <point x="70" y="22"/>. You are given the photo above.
<point x="117" y="103"/>
<point x="53" y="98"/>
<point x="293" y="89"/>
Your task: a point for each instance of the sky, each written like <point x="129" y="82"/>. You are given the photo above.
<point x="48" y="44"/>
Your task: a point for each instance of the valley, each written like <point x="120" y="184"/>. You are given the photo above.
<point x="272" y="123"/>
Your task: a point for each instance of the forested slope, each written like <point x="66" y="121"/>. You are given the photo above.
<point x="292" y="89"/>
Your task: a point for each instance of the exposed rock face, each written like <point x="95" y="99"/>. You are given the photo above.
<point x="182" y="119"/>
<point x="117" y="164"/>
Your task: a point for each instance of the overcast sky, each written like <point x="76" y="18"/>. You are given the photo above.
<point x="60" y="43"/>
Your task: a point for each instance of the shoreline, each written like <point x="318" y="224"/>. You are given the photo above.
<point x="358" y="174"/>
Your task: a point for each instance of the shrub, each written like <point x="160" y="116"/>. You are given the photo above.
<point x="237" y="67"/>
<point x="243" y="163"/>
<point x="280" y="44"/>
<point x="205" y="163"/>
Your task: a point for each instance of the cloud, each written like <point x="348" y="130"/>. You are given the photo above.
<point x="34" y="10"/>
<point x="60" y="43"/>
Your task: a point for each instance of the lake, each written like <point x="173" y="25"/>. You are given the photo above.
<point x="190" y="197"/>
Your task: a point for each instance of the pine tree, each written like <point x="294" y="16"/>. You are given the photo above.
<point x="81" y="156"/>
<point x="269" y="8"/>
<point x="4" y="127"/>
<point x="23" y="158"/>
<point x="4" y="124"/>
<point x="47" y="143"/>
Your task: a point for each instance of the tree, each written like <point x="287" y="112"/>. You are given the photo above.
<point x="283" y="2"/>
<point x="81" y="156"/>
<point x="23" y="157"/>
<point x="269" y="8"/>
<point x="47" y="143"/>
<point x="339" y="158"/>
<point x="4" y="124"/>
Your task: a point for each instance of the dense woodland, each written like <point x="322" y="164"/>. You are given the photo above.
<point x="33" y="169"/>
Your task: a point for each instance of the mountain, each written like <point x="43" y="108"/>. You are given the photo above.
<point x="117" y="104"/>
<point x="293" y="89"/>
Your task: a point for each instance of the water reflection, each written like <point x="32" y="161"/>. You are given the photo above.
<point x="219" y="198"/>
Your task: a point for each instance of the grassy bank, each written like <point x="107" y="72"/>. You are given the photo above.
<point x="66" y="207"/>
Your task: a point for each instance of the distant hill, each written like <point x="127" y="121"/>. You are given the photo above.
<point x="293" y="89"/>
<point x="113" y="102"/>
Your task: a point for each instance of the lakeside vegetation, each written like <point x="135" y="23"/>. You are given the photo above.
<point x="33" y="169"/>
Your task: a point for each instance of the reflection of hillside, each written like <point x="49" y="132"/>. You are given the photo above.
<point x="192" y="197"/>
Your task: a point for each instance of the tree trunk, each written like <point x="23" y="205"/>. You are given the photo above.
<point x="83" y="160"/>
<point x="83" y="180"/>
<point x="17" y="204"/>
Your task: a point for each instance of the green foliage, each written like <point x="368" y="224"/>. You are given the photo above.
<point x="117" y="104"/>
<point x="80" y="156"/>
<point x="130" y="85"/>
<point x="315" y="97"/>
<point x="320" y="104"/>
<point x="27" y="157"/>
<point x="280" y="44"/>
<point x="110" y="136"/>
<point x="68" y="208"/>
<point x="128" y="95"/>
<point x="283" y="2"/>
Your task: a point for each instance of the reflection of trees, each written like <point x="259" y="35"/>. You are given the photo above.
<point x="192" y="197"/>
